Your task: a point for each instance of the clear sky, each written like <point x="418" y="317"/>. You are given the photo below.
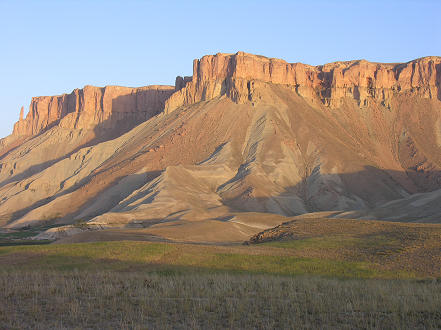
<point x="52" y="47"/>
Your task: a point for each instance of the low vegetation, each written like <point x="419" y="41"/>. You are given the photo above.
<point x="90" y="299"/>
<point x="370" y="277"/>
<point x="150" y="257"/>
<point x="386" y="246"/>
<point x="21" y="237"/>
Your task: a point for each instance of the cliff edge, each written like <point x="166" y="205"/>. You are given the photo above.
<point x="236" y="75"/>
<point x="92" y="107"/>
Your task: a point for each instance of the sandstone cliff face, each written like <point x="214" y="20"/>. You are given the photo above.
<point x="92" y="107"/>
<point x="236" y="75"/>
<point x="270" y="144"/>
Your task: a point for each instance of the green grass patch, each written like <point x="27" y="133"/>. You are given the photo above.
<point x="23" y="236"/>
<point x="18" y="234"/>
<point x="122" y="250"/>
<point x="374" y="245"/>
<point x="181" y="258"/>
<point x="24" y="242"/>
<point x="287" y="265"/>
<point x="100" y="255"/>
<point x="329" y="242"/>
<point x="290" y="265"/>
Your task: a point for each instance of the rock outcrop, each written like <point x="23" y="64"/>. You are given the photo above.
<point x="347" y="138"/>
<point x="93" y="107"/>
<point x="236" y="75"/>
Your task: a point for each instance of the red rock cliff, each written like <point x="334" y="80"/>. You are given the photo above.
<point x="237" y="74"/>
<point x="92" y="107"/>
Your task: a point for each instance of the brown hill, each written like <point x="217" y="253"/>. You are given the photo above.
<point x="244" y="134"/>
<point x="392" y="246"/>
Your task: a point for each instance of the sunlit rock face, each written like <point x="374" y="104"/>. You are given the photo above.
<point x="92" y="107"/>
<point x="245" y="133"/>
<point x="236" y="74"/>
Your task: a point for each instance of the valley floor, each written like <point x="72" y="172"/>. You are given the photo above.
<point x="306" y="273"/>
<point x="315" y="246"/>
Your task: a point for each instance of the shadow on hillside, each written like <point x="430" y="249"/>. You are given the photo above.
<point x="112" y="201"/>
<point x="7" y="149"/>
<point x="363" y="190"/>
<point x="359" y="191"/>
<point x="120" y="122"/>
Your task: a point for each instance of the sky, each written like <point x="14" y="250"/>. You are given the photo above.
<point x="53" y="47"/>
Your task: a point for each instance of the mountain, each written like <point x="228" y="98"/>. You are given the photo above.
<point x="232" y="150"/>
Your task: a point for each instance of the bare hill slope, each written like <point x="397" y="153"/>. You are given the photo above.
<point x="245" y="135"/>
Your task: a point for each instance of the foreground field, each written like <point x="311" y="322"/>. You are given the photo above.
<point x="136" y="300"/>
<point x="324" y="247"/>
<point x="308" y="273"/>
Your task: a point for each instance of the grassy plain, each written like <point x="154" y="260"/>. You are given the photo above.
<point x="151" y="257"/>
<point x="319" y="277"/>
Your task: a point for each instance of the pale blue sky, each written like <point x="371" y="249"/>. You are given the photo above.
<point x="52" y="47"/>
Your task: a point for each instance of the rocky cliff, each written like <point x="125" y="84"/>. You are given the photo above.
<point x="93" y="107"/>
<point x="236" y="75"/>
<point x="352" y="138"/>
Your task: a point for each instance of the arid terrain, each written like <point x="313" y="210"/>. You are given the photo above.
<point x="244" y="143"/>
<point x="254" y="194"/>
<point x="307" y="273"/>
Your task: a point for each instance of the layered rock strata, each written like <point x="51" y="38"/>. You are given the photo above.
<point x="92" y="107"/>
<point x="269" y="144"/>
<point x="236" y="75"/>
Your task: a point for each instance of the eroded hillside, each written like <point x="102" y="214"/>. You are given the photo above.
<point x="244" y="134"/>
